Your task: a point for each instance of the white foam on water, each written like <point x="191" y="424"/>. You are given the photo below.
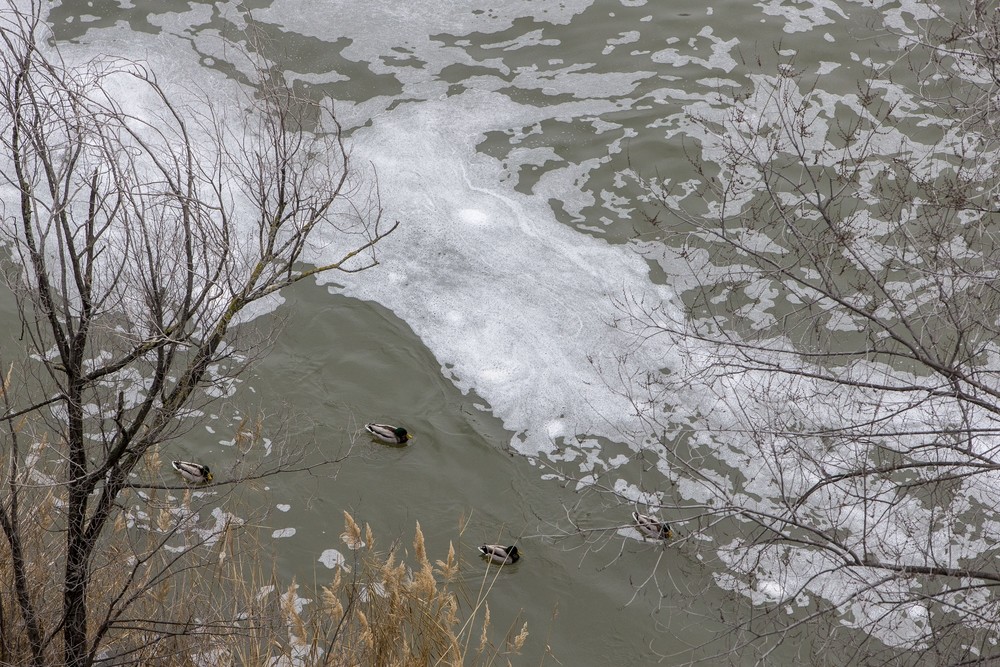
<point x="802" y="17"/>
<point x="332" y="558"/>
<point x="524" y="322"/>
<point x="374" y="28"/>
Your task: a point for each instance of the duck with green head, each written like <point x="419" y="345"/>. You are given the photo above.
<point x="395" y="435"/>
<point x="500" y="554"/>
<point x="195" y="473"/>
<point x="650" y="526"/>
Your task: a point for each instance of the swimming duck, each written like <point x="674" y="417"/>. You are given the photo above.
<point x="650" y="526"/>
<point x="193" y="472"/>
<point x="395" y="435"/>
<point x="500" y="554"/>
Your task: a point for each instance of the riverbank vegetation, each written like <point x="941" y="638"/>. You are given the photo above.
<point x="206" y="593"/>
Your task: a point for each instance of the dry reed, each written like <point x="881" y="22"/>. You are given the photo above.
<point x="167" y="591"/>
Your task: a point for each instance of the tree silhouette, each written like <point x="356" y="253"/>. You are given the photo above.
<point x="136" y="243"/>
<point x="838" y="408"/>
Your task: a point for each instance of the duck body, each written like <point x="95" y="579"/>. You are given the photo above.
<point x="500" y="554"/>
<point x="395" y="435"/>
<point x="650" y="526"/>
<point x="193" y="472"/>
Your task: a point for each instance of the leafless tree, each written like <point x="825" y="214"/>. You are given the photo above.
<point x="836" y="418"/>
<point x="135" y="241"/>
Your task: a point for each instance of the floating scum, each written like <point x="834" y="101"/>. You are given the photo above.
<point x="518" y="306"/>
<point x="519" y="321"/>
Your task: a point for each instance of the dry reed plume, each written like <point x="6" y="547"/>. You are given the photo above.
<point x="202" y="596"/>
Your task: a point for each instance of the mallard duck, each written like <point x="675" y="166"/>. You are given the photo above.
<point x="500" y="554"/>
<point x="395" y="435"/>
<point x="193" y="472"/>
<point x="650" y="526"/>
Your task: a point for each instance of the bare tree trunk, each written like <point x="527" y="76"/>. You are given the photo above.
<point x="77" y="553"/>
<point x="9" y="524"/>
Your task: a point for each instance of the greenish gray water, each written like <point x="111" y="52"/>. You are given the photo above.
<point x="503" y="138"/>
<point x="342" y="362"/>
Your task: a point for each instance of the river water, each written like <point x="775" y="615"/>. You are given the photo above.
<point x="504" y="136"/>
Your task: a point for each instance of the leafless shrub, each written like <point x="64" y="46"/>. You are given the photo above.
<point x="837" y="408"/>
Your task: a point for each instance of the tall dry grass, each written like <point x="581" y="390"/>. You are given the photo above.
<point x="180" y="583"/>
<point x="382" y="608"/>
